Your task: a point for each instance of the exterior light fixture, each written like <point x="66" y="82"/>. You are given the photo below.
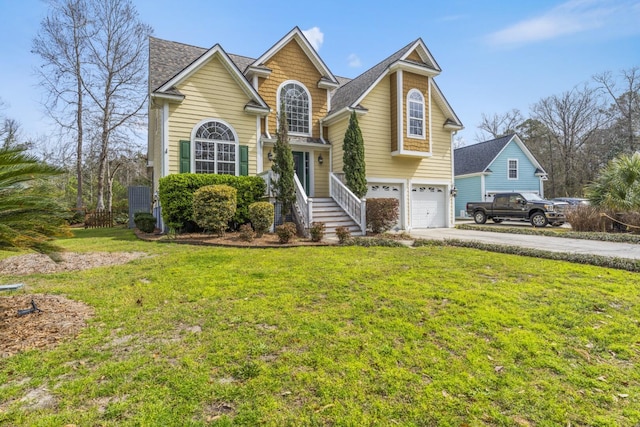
<point x="454" y="191"/>
<point x="320" y="159"/>
<point x="270" y="156"/>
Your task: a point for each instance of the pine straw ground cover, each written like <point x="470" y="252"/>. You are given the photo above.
<point x="332" y="336"/>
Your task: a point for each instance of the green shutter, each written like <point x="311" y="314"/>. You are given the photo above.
<point x="244" y="160"/>
<point x="185" y="156"/>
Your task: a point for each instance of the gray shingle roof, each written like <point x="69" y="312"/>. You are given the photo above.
<point x="167" y="58"/>
<point x="477" y="158"/>
<point x="349" y="93"/>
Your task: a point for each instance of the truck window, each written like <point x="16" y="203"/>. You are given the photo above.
<point x="501" y="201"/>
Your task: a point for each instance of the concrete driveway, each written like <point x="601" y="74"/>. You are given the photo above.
<point x="551" y="244"/>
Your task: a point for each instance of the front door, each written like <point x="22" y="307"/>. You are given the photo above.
<point x="301" y="166"/>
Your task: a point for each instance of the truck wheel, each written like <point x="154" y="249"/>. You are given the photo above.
<point x="538" y="219"/>
<point x="479" y="217"/>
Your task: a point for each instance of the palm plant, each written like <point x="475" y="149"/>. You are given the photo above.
<point x="29" y="216"/>
<point x="618" y="186"/>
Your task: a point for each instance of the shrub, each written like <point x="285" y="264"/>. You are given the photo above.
<point x="214" y="206"/>
<point x="261" y="216"/>
<point x="246" y="233"/>
<point x="176" y="195"/>
<point x="145" y="221"/>
<point x="382" y="214"/>
<point x="285" y="232"/>
<point x="374" y="241"/>
<point x="343" y="234"/>
<point x="631" y="221"/>
<point x="317" y="231"/>
<point x="584" y="218"/>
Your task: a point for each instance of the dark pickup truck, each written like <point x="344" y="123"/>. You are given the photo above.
<point x="519" y="206"/>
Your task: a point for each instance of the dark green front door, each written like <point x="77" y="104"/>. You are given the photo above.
<point x="301" y="166"/>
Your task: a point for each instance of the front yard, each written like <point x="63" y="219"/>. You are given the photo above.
<point x="331" y="336"/>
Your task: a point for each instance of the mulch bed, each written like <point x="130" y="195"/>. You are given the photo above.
<point x="233" y="239"/>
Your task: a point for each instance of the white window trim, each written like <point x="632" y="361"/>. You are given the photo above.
<point x="509" y="169"/>
<point x="408" y="101"/>
<point x="235" y="142"/>
<point x="310" y="106"/>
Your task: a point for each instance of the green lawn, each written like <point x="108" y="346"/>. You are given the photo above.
<point x="345" y="336"/>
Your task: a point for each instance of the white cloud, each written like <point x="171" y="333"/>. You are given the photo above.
<point x="315" y="37"/>
<point x="354" y="61"/>
<point x="571" y="17"/>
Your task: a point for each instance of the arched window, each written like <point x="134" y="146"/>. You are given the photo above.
<point x="415" y="107"/>
<point x="215" y="148"/>
<point x="297" y="104"/>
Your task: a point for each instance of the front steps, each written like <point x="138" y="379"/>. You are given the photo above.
<point x="326" y="210"/>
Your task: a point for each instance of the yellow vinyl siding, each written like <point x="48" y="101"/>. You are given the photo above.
<point x="377" y="134"/>
<point x="320" y="173"/>
<point x="155" y="140"/>
<point x="421" y="83"/>
<point x="211" y="93"/>
<point x="291" y="63"/>
<point x="336" y="138"/>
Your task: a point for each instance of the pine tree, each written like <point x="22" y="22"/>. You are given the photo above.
<point x="353" y="158"/>
<point x="283" y="166"/>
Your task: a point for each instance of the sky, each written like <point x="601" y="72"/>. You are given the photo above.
<point x="495" y="55"/>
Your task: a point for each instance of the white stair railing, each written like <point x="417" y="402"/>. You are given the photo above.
<point x="303" y="206"/>
<point x="268" y="176"/>
<point x="349" y="202"/>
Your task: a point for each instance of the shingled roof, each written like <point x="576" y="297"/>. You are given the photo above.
<point x="477" y="158"/>
<point x="167" y="58"/>
<point x="350" y="92"/>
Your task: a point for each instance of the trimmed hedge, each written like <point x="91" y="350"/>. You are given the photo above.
<point x="214" y="206"/>
<point x="176" y="195"/>
<point x="144" y="221"/>
<point x="261" y="216"/>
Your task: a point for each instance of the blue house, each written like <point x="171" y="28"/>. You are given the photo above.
<point x="496" y="166"/>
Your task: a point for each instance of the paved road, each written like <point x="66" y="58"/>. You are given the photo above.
<point x="553" y="244"/>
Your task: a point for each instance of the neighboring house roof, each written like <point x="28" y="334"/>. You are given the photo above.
<point x="477" y="158"/>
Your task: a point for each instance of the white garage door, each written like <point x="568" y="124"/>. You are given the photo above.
<point x="428" y="206"/>
<point x="387" y="191"/>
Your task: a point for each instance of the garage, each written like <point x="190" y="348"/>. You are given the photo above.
<point x="387" y="191"/>
<point x="428" y="206"/>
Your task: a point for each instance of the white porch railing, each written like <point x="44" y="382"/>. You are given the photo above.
<point x="303" y="206"/>
<point x="349" y="202"/>
<point x="268" y="176"/>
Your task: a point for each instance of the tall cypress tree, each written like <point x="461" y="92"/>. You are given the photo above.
<point x="283" y="166"/>
<point x="353" y="158"/>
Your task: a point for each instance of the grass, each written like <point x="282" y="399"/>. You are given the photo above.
<point x="335" y="336"/>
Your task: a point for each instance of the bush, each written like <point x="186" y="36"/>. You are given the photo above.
<point x="382" y="214"/>
<point x="343" y="234"/>
<point x="214" y="206"/>
<point x="584" y="218"/>
<point x="246" y="233"/>
<point x="261" y="216"/>
<point x="285" y="232"/>
<point x="144" y="221"/>
<point x="317" y="231"/>
<point x="176" y="196"/>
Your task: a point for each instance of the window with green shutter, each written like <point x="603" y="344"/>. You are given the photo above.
<point x="185" y="156"/>
<point x="244" y="160"/>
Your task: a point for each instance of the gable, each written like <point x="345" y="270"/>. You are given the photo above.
<point x="291" y="62"/>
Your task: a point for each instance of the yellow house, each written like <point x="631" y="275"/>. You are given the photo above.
<point x="215" y="112"/>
